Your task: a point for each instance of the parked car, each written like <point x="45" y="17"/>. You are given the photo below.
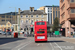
<point x="12" y="32"/>
<point x="0" y="32"/>
<point x="9" y="33"/>
<point x="3" y="33"/>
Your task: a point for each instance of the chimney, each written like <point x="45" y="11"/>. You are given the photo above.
<point x="44" y="10"/>
<point x="31" y="9"/>
<point x="19" y="11"/>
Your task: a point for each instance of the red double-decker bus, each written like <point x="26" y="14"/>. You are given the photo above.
<point x="40" y="31"/>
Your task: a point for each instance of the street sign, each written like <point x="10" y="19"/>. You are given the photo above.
<point x="61" y="29"/>
<point x="56" y="32"/>
<point x="31" y="25"/>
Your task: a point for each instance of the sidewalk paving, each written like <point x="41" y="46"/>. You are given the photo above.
<point x="11" y="36"/>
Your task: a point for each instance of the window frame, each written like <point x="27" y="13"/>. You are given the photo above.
<point x="72" y="1"/>
<point x="26" y="16"/>
<point x="42" y="15"/>
<point x="21" y="16"/>
<point x="31" y="16"/>
<point x="37" y="16"/>
<point x="32" y="22"/>
<point x="72" y="10"/>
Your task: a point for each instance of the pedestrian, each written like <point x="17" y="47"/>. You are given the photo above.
<point x="25" y="34"/>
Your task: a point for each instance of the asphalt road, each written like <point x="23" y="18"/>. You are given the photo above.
<point x="29" y="44"/>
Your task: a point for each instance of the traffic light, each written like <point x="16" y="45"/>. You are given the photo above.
<point x="31" y="29"/>
<point x="24" y="29"/>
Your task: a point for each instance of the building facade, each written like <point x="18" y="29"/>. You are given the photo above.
<point x="30" y="16"/>
<point x="67" y="16"/>
<point x="52" y="12"/>
<point x="8" y="20"/>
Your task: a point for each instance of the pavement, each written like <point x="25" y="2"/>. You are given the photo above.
<point x="11" y="36"/>
<point x="53" y="43"/>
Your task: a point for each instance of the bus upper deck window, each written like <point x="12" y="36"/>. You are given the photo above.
<point x="40" y="23"/>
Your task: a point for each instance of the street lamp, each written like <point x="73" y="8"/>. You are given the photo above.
<point x="15" y="13"/>
<point x="11" y="17"/>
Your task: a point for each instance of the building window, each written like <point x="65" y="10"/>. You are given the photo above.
<point x="42" y="16"/>
<point x="26" y="16"/>
<point x="36" y="15"/>
<point x="21" y="21"/>
<point x="72" y="0"/>
<point x="48" y="11"/>
<point x="51" y="18"/>
<point x="26" y="21"/>
<point x="63" y="16"/>
<point x="48" y="8"/>
<point x="48" y="17"/>
<point x="7" y="16"/>
<point x="72" y="10"/>
<point x="56" y="8"/>
<point x="31" y="16"/>
<point x="42" y="20"/>
<point x="11" y="17"/>
<point x="53" y="8"/>
<point x="32" y="22"/>
<point x="3" y="16"/>
<point x="37" y="20"/>
<point x="53" y="15"/>
<point x="56" y="13"/>
<point x="3" y="20"/>
<point x="21" y="16"/>
<point x="63" y="7"/>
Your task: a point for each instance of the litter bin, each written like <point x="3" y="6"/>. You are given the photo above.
<point x="15" y="35"/>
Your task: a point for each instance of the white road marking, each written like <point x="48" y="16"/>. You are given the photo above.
<point x="38" y="44"/>
<point x="71" y="42"/>
<point x="58" y="45"/>
<point x="24" y="45"/>
<point x="21" y="45"/>
<point x="52" y="46"/>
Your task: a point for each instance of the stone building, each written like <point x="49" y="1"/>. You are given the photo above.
<point x="30" y="16"/>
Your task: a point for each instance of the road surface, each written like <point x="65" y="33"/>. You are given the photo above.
<point x="29" y="44"/>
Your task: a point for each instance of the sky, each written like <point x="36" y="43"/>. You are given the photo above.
<point x="24" y="4"/>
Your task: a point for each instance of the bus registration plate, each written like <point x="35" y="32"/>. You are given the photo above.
<point x="41" y="37"/>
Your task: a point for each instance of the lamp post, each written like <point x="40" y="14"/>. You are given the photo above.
<point x="15" y="14"/>
<point x="5" y="22"/>
<point x="11" y="17"/>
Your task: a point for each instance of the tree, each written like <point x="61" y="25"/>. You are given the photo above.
<point x="55" y="26"/>
<point x="25" y="25"/>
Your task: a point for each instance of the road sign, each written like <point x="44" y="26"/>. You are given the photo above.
<point x="31" y="25"/>
<point x="56" y="32"/>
